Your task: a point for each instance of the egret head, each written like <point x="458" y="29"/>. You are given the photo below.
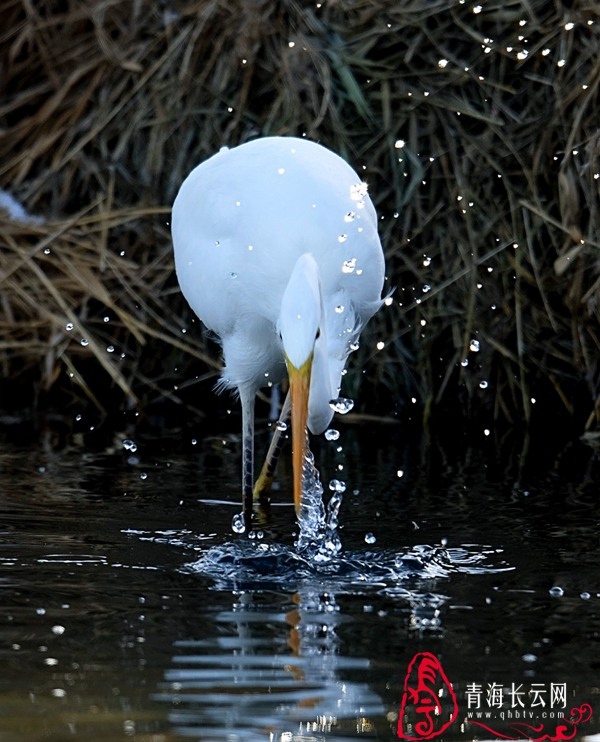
<point x="299" y="325"/>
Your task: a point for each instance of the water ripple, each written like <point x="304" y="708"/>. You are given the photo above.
<point x="247" y="565"/>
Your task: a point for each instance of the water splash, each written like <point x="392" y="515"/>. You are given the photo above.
<point x="343" y="405"/>
<point x="254" y="564"/>
<point x="246" y="564"/>
<point x="238" y="524"/>
<point x="319" y="540"/>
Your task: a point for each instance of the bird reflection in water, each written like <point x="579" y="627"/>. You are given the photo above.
<point x="232" y="687"/>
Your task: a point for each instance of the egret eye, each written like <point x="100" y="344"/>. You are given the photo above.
<point x="318" y="335"/>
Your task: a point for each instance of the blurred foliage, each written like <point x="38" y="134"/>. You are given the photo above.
<point x="475" y="126"/>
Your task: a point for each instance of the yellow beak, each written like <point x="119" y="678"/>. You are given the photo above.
<point x="299" y="388"/>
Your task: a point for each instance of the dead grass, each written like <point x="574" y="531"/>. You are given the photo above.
<point x="105" y="106"/>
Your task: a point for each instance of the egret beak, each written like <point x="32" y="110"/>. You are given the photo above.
<point x="299" y="388"/>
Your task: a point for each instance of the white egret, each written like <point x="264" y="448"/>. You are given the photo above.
<point x="277" y="252"/>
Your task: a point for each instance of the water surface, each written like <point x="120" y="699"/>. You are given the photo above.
<point x="130" y="610"/>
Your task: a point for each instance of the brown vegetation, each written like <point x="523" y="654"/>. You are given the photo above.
<point x="492" y="201"/>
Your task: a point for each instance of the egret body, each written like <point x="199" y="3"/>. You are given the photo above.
<point x="277" y="252"/>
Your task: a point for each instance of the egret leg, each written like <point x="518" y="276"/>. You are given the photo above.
<point x="275" y="398"/>
<point x="247" y="400"/>
<point x="265" y="480"/>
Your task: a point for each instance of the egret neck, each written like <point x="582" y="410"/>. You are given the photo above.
<point x="300" y="326"/>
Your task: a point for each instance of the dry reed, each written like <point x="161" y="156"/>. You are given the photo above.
<point x="475" y="126"/>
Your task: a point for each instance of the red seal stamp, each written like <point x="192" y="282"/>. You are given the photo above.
<point x="429" y="703"/>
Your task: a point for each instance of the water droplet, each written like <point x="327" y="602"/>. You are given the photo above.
<point x="143" y="475"/>
<point x="343" y="238"/>
<point x="399" y="144"/>
<point x="443" y="63"/>
<point x="483" y="385"/>
<point x="400" y="473"/>
<point x="486" y="432"/>
<point x="546" y="52"/>
<point x="427" y="262"/>
<point x="292" y="44"/>
<point x="77" y="418"/>
<point x="69" y="326"/>
<point x="58" y="630"/>
<point x="336" y="485"/>
<point x="51" y="661"/>
<point x="340" y="308"/>
<point x="358" y="191"/>
<point x="342" y="405"/>
<point x="464" y="362"/>
<point x="281" y="425"/>
<point x="477" y="9"/>
<point x="529" y="658"/>
<point x="194" y="441"/>
<point x="237" y="523"/>
<point x="349" y="217"/>
<point x="370" y="538"/>
<point x="348" y="266"/>
<point x="58" y="692"/>
<point x="130" y="445"/>
<point x="380" y="345"/>
<point x="107" y="319"/>
<point x="561" y="62"/>
<point x="585" y="596"/>
<point x="110" y="349"/>
<point x="233" y="275"/>
<point x="40" y="611"/>
<point x="474" y="346"/>
<point x="85" y="342"/>
<point x="569" y="26"/>
<point x="47" y="251"/>
<point x="354" y="346"/>
<point x="426" y="288"/>
<point x="217" y="243"/>
<point x="556" y="592"/>
<point x="332" y="434"/>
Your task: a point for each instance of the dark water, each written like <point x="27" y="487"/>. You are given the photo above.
<point x="129" y="609"/>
